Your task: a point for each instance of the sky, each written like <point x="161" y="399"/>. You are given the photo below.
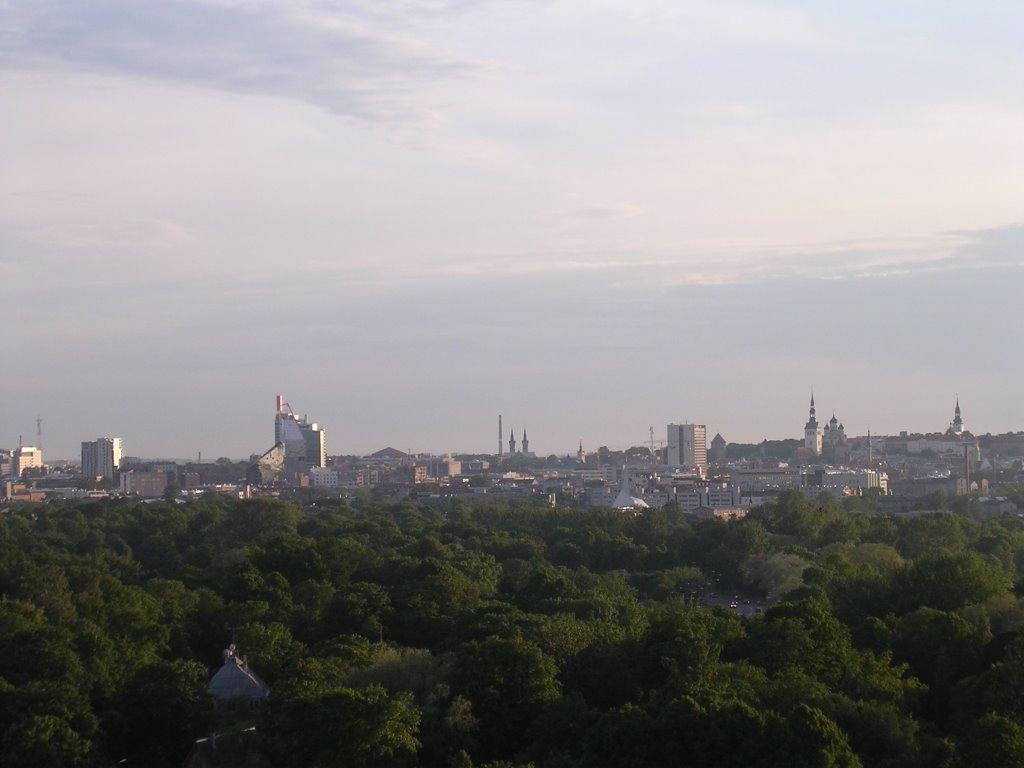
<point x="590" y="217"/>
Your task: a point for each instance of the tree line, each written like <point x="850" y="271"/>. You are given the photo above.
<point x="506" y="633"/>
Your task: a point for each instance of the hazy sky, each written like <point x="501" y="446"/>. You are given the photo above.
<point x="590" y="217"/>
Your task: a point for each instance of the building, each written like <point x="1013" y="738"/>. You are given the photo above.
<point x="687" y="446"/>
<point x="834" y="444"/>
<point x="324" y="478"/>
<point x="305" y="443"/>
<point x="102" y="457"/>
<point x="25" y="457"/>
<point x="299" y="446"/>
<point x="625" y="499"/>
<point x="778" y="479"/>
<point x="234" y="681"/>
<point x="956" y="427"/>
<point x="812" y="432"/>
<point x="267" y="468"/>
<point x="718" y="448"/>
<point x="149" y="484"/>
<point x="444" y="467"/>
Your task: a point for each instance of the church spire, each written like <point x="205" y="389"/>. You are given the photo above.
<point x="957" y="427"/>
<point x="812" y="431"/>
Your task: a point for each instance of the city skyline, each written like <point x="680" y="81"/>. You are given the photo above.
<point x="477" y="447"/>
<point x="591" y="218"/>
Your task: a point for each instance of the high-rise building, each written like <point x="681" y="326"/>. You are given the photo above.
<point x="25" y="457"/>
<point x="101" y="457"/>
<point x="305" y="443"/>
<point x="688" y="446"/>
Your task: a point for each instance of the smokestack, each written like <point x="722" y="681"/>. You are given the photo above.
<point x="967" y="470"/>
<point x="500" y="436"/>
<point x="280" y="403"/>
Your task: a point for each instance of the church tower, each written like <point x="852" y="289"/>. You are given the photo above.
<point x="812" y="432"/>
<point x="526" y="442"/>
<point x="512" y="442"/>
<point x="957" y="426"/>
<point x="581" y="455"/>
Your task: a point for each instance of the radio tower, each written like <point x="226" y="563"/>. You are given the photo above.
<point x="39" y="432"/>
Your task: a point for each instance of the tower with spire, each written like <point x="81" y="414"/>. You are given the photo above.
<point x="526" y="442"/>
<point x="956" y="427"/>
<point x="581" y="455"/>
<point x="512" y="442"/>
<point x="812" y="431"/>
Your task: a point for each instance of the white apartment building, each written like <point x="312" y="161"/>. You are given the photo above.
<point x="25" y="457"/>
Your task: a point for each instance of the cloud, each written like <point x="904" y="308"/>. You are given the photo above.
<point x="994" y="246"/>
<point x="342" y="59"/>
<point x="619" y="210"/>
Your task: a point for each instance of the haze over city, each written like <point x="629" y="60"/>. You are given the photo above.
<point x="411" y="217"/>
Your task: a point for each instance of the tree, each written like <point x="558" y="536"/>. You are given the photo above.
<point x="160" y="712"/>
<point x="345" y="727"/>
<point x="994" y="741"/>
<point x="947" y="581"/>
<point x="940" y="648"/>
<point x="811" y="739"/>
<point x="804" y="636"/>
<point x="508" y="681"/>
<point x="43" y="741"/>
<point x="172" y="491"/>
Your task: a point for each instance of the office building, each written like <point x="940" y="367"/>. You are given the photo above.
<point x="299" y="446"/>
<point x="305" y="443"/>
<point x="687" y="446"/>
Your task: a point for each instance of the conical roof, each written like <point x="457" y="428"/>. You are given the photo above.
<point x="235" y="681"/>
<point x="626" y="500"/>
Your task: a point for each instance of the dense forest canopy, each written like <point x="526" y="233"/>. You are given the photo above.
<point x="508" y="633"/>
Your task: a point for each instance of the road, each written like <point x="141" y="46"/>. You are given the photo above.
<point x="746" y="606"/>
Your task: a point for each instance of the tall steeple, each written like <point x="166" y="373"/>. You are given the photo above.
<point x="812" y="431"/>
<point x="957" y="426"/>
<point x="526" y="442"/>
<point x="512" y="442"/>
